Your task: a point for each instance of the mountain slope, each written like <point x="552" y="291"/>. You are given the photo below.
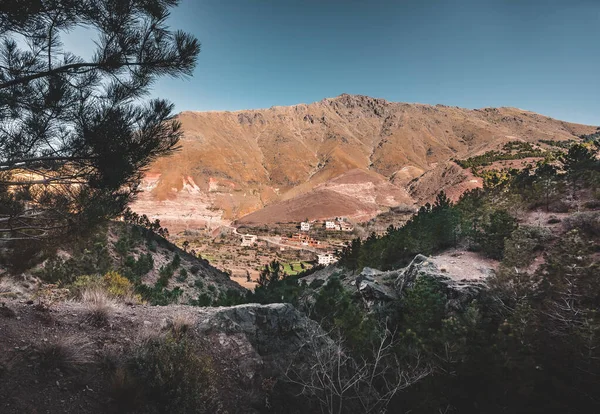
<point x="242" y="161"/>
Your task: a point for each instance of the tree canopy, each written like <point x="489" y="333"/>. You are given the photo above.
<point x="76" y="132"/>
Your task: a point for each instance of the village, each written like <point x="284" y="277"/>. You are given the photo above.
<point x="242" y="250"/>
<point x="310" y="238"/>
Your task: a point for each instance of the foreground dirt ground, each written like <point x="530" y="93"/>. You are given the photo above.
<point x="29" y="329"/>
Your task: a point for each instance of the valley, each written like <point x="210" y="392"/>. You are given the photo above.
<point x="263" y="172"/>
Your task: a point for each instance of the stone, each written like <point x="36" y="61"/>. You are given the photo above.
<point x="261" y="339"/>
<point x="459" y="293"/>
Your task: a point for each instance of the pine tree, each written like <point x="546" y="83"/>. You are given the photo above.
<point x="74" y="134"/>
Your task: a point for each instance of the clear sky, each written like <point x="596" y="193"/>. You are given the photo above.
<point x="540" y="55"/>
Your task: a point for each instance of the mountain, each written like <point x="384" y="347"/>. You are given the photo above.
<point x="351" y="155"/>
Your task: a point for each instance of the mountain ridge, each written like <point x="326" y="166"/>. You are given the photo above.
<point x="246" y="160"/>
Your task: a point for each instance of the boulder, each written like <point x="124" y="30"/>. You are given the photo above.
<point x="459" y="292"/>
<point x="259" y="341"/>
<point x="376" y="287"/>
<point x="372" y="292"/>
<point x="371" y="289"/>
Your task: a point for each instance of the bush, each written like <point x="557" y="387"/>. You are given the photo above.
<point x="592" y="205"/>
<point x="182" y="275"/>
<point x="112" y="283"/>
<point x="199" y="283"/>
<point x="140" y="267"/>
<point x="176" y="261"/>
<point x="231" y="297"/>
<point x="158" y="295"/>
<point x="82" y="283"/>
<point x="166" y="375"/>
<point x="524" y="242"/>
<point x="99" y="305"/>
<point x="164" y="274"/>
<point x="494" y="232"/>
<point x="117" y="285"/>
<point x="317" y="283"/>
<point x="66" y="353"/>
<point x="588" y="222"/>
<point x="204" y="299"/>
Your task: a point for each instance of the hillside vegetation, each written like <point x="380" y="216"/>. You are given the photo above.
<point x="525" y="341"/>
<point x="409" y="338"/>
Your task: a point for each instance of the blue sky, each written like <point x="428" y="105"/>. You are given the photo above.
<point x="540" y="55"/>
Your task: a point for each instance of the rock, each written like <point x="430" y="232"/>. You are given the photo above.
<point x="372" y="292"/>
<point x="459" y="293"/>
<point x="367" y="271"/>
<point x="377" y="287"/>
<point x="261" y="340"/>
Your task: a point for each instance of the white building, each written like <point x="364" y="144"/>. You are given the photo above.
<point x="331" y="225"/>
<point x="305" y="226"/>
<point x="345" y="226"/>
<point x="248" y="239"/>
<point x="326" y="259"/>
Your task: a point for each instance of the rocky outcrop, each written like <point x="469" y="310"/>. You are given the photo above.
<point x="372" y="290"/>
<point x="261" y="339"/>
<point x="377" y="287"/>
<point x="459" y="292"/>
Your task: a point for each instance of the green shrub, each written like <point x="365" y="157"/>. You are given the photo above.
<point x="231" y="297"/>
<point x="117" y="285"/>
<point x="317" y="283"/>
<point x="199" y="283"/>
<point x="166" y="375"/>
<point x="203" y="300"/>
<point x="423" y="307"/>
<point x="92" y="257"/>
<point x="494" y="231"/>
<point x="176" y="261"/>
<point x="83" y="282"/>
<point x="337" y="311"/>
<point x="135" y="269"/>
<point x="182" y="275"/>
<point x="158" y="295"/>
<point x="164" y="274"/>
<point x="113" y="283"/>
<point x="524" y="242"/>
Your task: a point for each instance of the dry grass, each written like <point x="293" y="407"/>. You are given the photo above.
<point x="9" y="288"/>
<point x="180" y="324"/>
<point x="67" y="353"/>
<point x="99" y="305"/>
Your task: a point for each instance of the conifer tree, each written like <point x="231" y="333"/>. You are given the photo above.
<point x="75" y="132"/>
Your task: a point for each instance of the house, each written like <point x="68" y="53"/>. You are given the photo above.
<point x="305" y="226"/>
<point x="331" y="225"/>
<point x="346" y="226"/>
<point x="326" y="259"/>
<point x="303" y="239"/>
<point x="248" y="239"/>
